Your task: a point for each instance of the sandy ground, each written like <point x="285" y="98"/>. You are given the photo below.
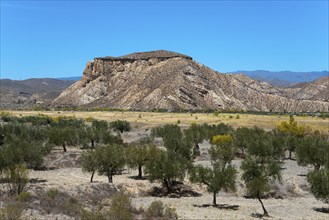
<point x="294" y="200"/>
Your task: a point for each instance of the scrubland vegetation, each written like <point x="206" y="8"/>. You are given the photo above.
<point x="26" y="141"/>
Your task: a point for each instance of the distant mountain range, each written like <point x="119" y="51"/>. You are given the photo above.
<point x="74" y="78"/>
<point x="26" y="93"/>
<point x="283" y="78"/>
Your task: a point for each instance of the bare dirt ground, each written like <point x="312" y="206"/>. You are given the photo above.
<point x="290" y="200"/>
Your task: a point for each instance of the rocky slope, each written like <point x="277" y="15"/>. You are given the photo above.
<point x="168" y="80"/>
<point x="317" y="90"/>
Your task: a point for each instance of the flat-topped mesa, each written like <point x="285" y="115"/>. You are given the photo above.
<point x="158" y="54"/>
<point x="108" y="65"/>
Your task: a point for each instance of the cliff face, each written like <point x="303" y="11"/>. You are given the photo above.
<point x="163" y="79"/>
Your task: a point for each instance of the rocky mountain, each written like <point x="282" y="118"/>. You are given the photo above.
<point x="26" y="93"/>
<point x="283" y="78"/>
<point x="316" y="90"/>
<point x="169" y="80"/>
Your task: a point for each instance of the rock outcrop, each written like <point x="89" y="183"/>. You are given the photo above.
<point x="168" y="80"/>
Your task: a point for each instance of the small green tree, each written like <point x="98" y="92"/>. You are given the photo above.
<point x="67" y="131"/>
<point x="217" y="178"/>
<point x="242" y="137"/>
<point x="292" y="134"/>
<point x="174" y="140"/>
<point x="120" y="125"/>
<point x="313" y="150"/>
<point x="222" y="175"/>
<point x="110" y="160"/>
<point x="96" y="132"/>
<point x="137" y="154"/>
<point x="319" y="181"/>
<point x="262" y="165"/>
<point x="166" y="167"/>
<point x="89" y="163"/>
<point x="196" y="133"/>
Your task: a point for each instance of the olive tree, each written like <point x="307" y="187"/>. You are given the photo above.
<point x="23" y="144"/>
<point x="222" y="175"/>
<point x="262" y="165"/>
<point x="175" y="140"/>
<point x="313" y="150"/>
<point x="120" y="125"/>
<point x="319" y="181"/>
<point x="89" y="163"/>
<point x="137" y="154"/>
<point x="107" y="160"/>
<point x="219" y="177"/>
<point x="66" y="131"/>
<point x="196" y="134"/>
<point x="166" y="167"/>
<point x="96" y="132"/>
<point x="292" y="133"/>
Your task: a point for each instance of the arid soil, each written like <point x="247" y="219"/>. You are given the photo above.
<point x="289" y="200"/>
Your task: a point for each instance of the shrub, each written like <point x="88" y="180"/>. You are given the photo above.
<point x="52" y="193"/>
<point x="157" y="209"/>
<point x="89" y="119"/>
<point x="87" y="215"/>
<point x="24" y="197"/>
<point x="12" y="211"/>
<point x="17" y="176"/>
<point x="170" y="213"/>
<point x="121" y="207"/>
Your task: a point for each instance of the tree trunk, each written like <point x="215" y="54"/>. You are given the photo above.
<point x="197" y="146"/>
<point x="140" y="172"/>
<point x="214" y="199"/>
<point x="316" y="166"/>
<point x="290" y="155"/>
<point x="265" y="211"/>
<point x="92" y="176"/>
<point x="64" y="147"/>
<point x="167" y="186"/>
<point x="109" y="176"/>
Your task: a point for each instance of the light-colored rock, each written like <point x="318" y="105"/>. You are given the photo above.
<point x="162" y="79"/>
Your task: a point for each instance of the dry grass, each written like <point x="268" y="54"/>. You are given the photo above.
<point x="150" y="119"/>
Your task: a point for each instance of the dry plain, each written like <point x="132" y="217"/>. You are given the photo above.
<point x="151" y="119"/>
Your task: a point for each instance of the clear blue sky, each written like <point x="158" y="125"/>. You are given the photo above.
<point x="57" y="38"/>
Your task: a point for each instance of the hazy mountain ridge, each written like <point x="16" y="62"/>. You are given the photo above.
<point x="24" y="93"/>
<point x="163" y="79"/>
<point x="283" y="78"/>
